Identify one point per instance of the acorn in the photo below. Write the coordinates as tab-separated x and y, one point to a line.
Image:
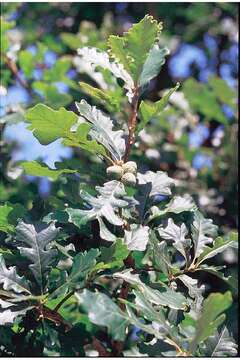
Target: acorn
115	171
129	179
130	167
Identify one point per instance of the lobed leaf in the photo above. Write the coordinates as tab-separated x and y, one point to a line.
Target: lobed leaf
220	344
105	206
137	237
49	125
203	231
35	246
11	280
211	317
101	130
177	234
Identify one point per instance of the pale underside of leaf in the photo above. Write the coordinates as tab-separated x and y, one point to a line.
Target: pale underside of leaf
101	129
35	246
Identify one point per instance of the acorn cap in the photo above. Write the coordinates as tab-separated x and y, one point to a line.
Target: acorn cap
129	179
115	171
130	167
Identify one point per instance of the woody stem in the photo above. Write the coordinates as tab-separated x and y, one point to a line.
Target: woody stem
132	124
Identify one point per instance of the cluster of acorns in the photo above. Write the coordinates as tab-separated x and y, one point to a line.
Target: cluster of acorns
125	172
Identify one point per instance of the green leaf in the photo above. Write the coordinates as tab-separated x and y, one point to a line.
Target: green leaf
203	231
71	40
137	237
203	100
11	280
83	264
220	344
34	245
109	98
149	112
51	95
222	91
118	52
26	62
105	205
9	213
103	311
112	256
49	125
131	51
165	297
219	245
57	72
101	130
36	168
177	234
211	317
96	58
79	138
153	64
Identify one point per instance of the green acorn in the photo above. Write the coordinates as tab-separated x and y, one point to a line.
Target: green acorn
115	171
129	179
130	167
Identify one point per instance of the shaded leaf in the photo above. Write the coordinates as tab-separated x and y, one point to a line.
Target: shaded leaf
220	344
9	214
211	317
165	297
11	280
83	264
219	245
103	311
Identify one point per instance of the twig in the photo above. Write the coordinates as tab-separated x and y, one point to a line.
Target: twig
13	68
123	294
100	348
132	124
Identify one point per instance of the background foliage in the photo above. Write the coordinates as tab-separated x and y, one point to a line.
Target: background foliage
194	139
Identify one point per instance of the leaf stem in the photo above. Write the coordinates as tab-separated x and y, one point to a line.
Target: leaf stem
132	124
57	307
